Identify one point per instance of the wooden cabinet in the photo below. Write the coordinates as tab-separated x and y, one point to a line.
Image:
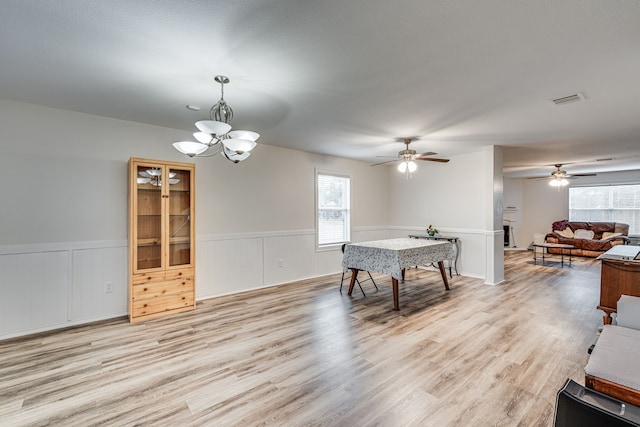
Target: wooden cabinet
161	238
618	277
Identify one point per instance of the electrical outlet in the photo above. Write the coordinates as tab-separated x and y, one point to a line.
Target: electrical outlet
280	263
108	287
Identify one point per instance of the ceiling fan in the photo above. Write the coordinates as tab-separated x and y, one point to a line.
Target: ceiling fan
407	157
559	177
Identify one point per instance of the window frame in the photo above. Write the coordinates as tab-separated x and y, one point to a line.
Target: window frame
607	209
333	245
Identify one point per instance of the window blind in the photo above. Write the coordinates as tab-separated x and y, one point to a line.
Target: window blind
333	207
614	203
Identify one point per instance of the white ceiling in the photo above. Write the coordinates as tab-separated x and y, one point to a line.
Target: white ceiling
348	78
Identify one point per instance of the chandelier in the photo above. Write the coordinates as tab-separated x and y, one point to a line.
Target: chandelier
216	134
153	176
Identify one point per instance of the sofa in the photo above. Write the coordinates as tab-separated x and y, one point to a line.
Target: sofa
591	239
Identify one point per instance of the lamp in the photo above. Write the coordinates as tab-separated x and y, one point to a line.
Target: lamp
234	146
559	182
407	166
153	176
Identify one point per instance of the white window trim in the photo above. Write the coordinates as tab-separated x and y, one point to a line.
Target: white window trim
331	246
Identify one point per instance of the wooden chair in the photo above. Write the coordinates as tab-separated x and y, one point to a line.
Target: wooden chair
357	281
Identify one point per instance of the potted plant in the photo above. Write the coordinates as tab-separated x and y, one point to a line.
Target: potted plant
431	230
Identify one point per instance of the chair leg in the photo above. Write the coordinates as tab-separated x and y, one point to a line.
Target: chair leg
372	281
357	281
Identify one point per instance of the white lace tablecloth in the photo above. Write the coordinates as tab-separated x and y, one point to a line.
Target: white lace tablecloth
393	255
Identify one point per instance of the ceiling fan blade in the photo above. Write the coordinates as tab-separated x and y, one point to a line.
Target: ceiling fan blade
432	159
382	163
540	177
389	157
571	175
427	154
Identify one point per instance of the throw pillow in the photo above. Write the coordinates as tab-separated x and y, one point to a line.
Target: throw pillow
559	225
567	232
584	234
607	235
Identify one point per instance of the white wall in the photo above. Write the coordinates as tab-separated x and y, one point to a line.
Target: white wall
63	216
453	197
513	209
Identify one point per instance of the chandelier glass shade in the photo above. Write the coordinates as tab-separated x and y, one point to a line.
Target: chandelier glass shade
216	134
153	176
559	182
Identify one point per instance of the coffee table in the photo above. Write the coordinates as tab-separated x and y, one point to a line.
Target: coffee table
546	246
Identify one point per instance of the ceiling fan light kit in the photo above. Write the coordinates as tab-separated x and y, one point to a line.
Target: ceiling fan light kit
234	146
406	157
560	178
407	167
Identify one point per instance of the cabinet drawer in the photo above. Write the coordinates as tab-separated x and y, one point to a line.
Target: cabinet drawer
164	303
162	275
148	277
158	289
177	274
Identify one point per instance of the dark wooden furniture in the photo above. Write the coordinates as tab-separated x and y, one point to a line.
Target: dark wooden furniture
612	389
617	277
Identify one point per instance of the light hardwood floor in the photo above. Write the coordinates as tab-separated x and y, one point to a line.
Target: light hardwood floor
305	354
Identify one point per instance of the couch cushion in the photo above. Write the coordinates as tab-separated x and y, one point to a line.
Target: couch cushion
600	227
596	245
578	225
567	232
615	356
584	234
628	307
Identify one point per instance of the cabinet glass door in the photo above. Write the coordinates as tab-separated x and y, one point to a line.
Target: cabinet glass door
179	217
149	217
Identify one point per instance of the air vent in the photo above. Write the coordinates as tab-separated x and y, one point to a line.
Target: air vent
568	99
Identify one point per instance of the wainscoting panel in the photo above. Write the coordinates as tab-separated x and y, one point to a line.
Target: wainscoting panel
51	286
34	291
288	258
329	262
226	266
99	288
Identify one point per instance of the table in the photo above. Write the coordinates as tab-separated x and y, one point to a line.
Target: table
393	256
456	248
545	246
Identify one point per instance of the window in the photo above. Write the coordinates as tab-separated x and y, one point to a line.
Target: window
333	209
615	203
